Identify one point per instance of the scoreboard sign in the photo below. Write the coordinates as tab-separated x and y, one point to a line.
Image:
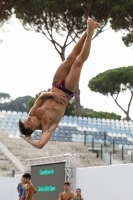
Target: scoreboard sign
48	179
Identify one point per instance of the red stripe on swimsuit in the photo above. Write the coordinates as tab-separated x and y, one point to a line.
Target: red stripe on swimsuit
61	85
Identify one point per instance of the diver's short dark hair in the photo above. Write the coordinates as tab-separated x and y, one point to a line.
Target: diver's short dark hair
25	131
27	175
66	183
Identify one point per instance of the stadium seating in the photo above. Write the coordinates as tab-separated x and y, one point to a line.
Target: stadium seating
71	129
74	128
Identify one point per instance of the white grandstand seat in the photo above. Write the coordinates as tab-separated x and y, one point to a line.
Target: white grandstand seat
14	128
12	131
9	123
84	128
117	121
94	129
129	152
80	138
124	135
80	118
16	117
11	136
3	111
85	119
89	129
114	135
8	116
94	122
64	124
2	115
126	122
89	138
9	127
17	136
11	120
5	119
103	120
131	123
119	134
94	119
85	125
3	123
20	113
75	125
75	117
99	119
25	113
7	131
14	112
70	119
89	119
23	117
74	137
112	120
3	127
65	117
75	121
110	134
9	112
80	125
69	124
107	120
79	129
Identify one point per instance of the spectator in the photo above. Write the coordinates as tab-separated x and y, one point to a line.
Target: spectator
66	195
78	194
29	189
20	188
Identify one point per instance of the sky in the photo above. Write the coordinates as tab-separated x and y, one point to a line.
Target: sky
28	62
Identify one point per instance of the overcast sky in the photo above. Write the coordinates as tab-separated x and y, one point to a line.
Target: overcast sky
28	62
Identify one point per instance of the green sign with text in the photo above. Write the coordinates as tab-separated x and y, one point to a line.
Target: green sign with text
46	189
45	172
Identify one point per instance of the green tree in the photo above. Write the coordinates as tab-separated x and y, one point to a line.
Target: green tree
18	104
112	83
70	109
124	11
7	8
105	115
4	96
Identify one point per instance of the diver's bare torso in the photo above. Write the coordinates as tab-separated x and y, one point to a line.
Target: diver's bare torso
51	112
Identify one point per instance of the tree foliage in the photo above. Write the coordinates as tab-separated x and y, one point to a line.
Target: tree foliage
124	13
70	109
6	9
102	115
18	104
4	96
70	16
113	82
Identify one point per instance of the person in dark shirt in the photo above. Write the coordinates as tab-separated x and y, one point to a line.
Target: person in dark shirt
78	195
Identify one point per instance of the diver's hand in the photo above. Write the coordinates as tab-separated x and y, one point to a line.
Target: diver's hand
60	98
27	138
